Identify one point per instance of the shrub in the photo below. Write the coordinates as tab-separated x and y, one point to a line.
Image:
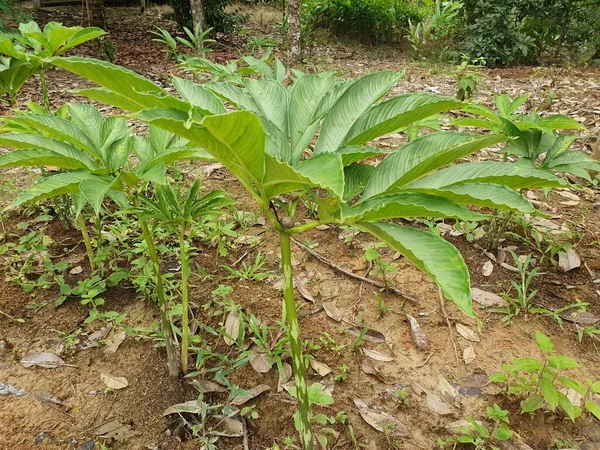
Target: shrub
373	21
528	31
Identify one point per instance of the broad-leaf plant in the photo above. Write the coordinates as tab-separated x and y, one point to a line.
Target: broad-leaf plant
90	158
312	137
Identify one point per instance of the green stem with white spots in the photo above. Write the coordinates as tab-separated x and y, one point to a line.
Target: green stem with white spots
185	327
304	425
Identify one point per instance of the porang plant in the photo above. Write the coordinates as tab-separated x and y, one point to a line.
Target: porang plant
26	53
267	144
90	155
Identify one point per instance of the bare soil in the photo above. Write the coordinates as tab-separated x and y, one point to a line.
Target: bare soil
26	422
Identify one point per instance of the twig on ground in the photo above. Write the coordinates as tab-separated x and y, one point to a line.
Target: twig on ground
426	360
245	428
458	365
379	284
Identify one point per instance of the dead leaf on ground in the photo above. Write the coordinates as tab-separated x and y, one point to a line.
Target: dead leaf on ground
469	354
260	362
321	368
322	227
448	392
191	407
454	427
300	284
48	399
210	169
252	393
377	356
380	419
42	359
487	299
374	336
332	312
115	430
568	260
568	195
232	327
487	269
370	370
284	377
229	427
207	386
467	333
418	335
76	270
579	317
113	381
114	342
435	404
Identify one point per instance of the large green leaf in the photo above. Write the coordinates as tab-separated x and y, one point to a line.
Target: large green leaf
305	95
272	99
483	195
95	189
140	92
324	171
34	141
39	158
199	96
433	255
354	153
356	177
514	176
424	155
57	127
61	183
408	204
397	112
355	100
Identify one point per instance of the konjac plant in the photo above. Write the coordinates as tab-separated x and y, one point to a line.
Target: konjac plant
309	137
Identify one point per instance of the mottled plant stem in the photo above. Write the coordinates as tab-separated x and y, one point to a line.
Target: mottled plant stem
305	428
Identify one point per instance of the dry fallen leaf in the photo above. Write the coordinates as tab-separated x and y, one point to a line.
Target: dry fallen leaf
448	392
115	430
568	195
321	368
211	168
300	284
438	406
191	407
467	333
322	227
232	327
284	377
380	419
260	362
487	269
377	356
114	382
332	312
418	335
206	386
469	354
568	260
113	343
252	393
76	270
229	427
487	299
42	359
370	370
454	427
374	336
579	317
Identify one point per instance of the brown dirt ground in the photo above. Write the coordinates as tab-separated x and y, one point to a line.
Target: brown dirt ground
27	423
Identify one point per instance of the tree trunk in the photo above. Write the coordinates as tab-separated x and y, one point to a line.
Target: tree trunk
144	6
198	14
95	14
181	8
293	17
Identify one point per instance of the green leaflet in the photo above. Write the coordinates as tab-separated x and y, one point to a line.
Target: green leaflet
433	255
408	204
423	155
395	113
